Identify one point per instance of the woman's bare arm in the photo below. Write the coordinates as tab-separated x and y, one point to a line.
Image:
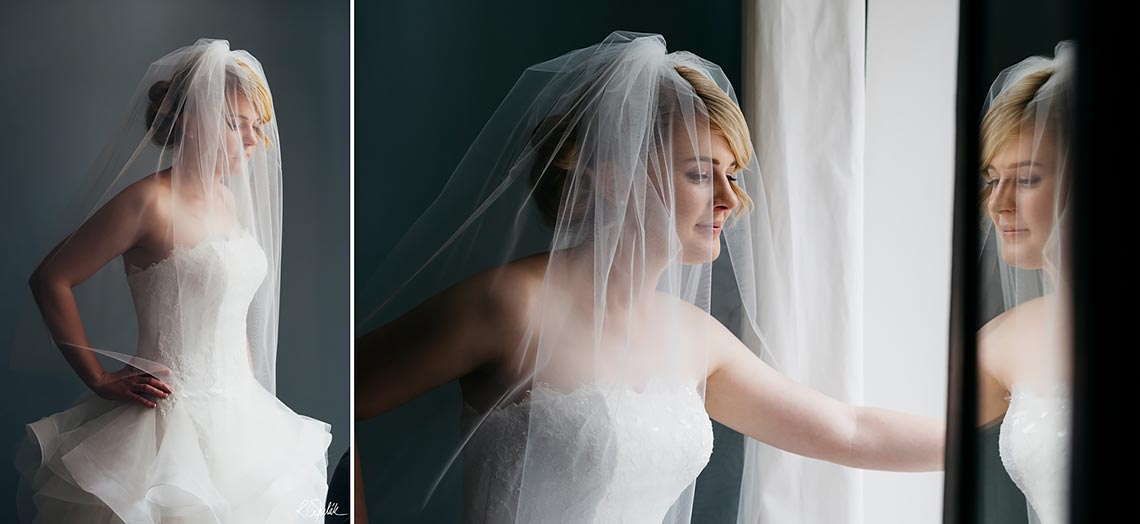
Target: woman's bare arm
454	333
115	228
746	394
358	487
450	335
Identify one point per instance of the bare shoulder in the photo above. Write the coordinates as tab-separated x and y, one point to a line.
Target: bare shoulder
1004	341
714	345
146	193
1016	321
503	297
687	311
696	317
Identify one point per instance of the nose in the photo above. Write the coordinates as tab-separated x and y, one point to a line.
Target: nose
1003	198
248	135
724	198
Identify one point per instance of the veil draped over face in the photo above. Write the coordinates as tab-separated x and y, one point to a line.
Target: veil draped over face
198	155
1026	170
587	216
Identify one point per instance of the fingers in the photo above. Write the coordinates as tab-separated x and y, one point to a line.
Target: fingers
148	389
159	385
139	398
140	385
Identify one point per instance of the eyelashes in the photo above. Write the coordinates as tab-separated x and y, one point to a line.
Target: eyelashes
233	126
1024	182
701	178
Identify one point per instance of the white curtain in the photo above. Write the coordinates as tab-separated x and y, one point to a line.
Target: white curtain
804	100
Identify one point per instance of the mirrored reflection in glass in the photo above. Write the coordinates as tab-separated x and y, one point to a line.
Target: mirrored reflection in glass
1024	348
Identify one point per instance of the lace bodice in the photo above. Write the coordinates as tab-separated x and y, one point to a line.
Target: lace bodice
192	309
594	455
1034	446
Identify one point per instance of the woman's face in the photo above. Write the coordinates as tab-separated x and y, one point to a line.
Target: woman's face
704	197
1022	180
242	131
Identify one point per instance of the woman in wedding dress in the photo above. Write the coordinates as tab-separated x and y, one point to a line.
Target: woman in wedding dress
1024	354
190	429
564	276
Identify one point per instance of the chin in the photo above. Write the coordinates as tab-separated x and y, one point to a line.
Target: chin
1018	259
702	255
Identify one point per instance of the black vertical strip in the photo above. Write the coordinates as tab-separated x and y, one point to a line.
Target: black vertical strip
960	498
1106	290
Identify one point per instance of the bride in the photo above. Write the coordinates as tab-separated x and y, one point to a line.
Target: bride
189	430
565	277
1024	354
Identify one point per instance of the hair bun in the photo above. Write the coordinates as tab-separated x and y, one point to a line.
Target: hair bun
158	90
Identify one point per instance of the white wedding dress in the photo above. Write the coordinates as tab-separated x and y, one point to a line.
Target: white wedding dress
1034	447
594	455
220	449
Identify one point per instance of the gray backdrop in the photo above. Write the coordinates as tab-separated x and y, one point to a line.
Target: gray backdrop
428	75
68	70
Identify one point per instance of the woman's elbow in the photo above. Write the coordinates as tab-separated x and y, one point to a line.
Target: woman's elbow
843	438
45	285
40	282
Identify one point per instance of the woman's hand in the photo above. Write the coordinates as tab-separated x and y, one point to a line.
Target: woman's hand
130	384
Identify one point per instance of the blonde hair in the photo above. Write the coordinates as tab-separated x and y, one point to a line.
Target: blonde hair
1003	121
726	120
166	100
254	87
555	142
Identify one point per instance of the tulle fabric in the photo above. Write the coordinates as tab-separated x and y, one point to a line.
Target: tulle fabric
240	458
220	449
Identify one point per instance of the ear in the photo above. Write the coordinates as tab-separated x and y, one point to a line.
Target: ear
610	181
616	184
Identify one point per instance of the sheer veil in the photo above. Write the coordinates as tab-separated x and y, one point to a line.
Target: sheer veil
598	195
182	133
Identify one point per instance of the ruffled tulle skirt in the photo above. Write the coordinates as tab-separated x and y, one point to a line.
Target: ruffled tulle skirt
236	455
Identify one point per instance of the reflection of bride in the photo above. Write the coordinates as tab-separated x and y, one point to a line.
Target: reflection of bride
564	277
190	429
1024	354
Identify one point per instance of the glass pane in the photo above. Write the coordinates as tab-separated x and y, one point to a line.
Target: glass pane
1023	344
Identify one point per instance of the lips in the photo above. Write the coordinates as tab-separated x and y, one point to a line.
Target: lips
713	227
1013	233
